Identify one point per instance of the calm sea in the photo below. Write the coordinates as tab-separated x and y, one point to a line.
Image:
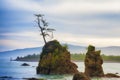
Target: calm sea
15	70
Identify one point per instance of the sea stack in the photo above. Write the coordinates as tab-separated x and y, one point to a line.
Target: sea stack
93	63
55	59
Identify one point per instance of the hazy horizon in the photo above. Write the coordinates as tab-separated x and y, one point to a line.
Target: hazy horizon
77	22
63	43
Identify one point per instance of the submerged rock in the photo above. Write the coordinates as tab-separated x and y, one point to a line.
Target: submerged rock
80	76
55	59
112	75
33	79
7	77
93	63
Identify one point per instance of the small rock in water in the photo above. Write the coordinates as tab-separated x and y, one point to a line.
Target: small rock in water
80	76
112	75
25	64
116	73
5	77
34	79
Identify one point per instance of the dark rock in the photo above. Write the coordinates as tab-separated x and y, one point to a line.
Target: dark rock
93	63
5	77
55	59
80	76
25	64
34	79
116	73
112	75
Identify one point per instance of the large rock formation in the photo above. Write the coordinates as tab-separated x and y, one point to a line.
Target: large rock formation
93	63
55	59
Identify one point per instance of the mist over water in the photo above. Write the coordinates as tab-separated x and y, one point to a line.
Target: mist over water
15	70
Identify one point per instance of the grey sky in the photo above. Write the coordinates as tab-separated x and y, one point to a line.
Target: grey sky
79	22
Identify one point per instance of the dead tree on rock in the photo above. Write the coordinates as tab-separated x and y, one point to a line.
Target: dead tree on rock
43	25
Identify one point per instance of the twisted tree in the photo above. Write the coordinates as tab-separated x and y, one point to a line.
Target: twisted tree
43	25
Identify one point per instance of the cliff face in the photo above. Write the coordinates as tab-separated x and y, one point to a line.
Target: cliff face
55	59
93	63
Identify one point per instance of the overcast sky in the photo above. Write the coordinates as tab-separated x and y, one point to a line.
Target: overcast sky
78	22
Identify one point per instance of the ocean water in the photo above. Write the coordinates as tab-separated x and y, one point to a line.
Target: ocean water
17	72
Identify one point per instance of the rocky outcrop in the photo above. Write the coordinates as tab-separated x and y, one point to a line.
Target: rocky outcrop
25	64
93	63
80	76
55	59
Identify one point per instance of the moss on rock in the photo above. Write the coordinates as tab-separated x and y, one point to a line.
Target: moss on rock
55	59
93	63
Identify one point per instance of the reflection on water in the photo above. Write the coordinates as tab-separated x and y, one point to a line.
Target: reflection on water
15	70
